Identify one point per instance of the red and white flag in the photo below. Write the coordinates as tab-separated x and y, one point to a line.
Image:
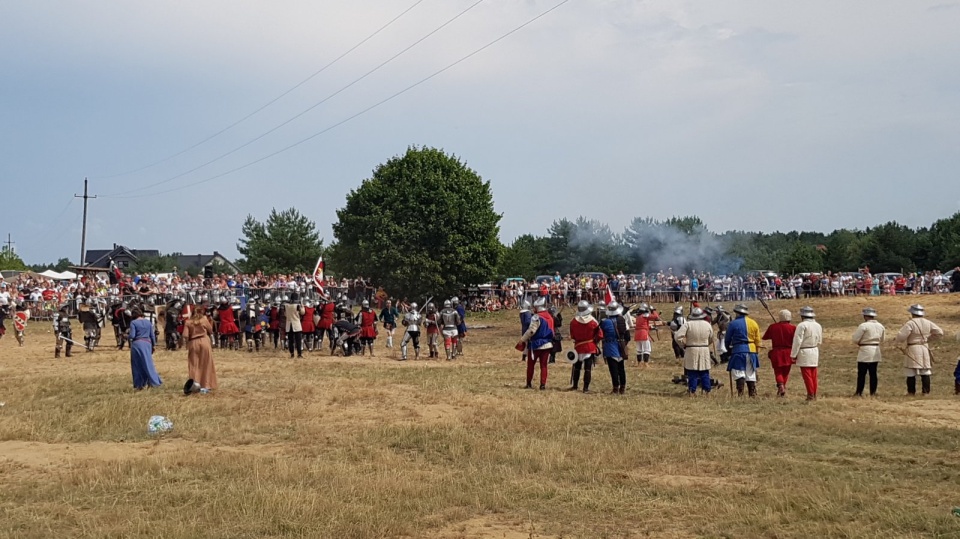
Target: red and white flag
318	275
608	296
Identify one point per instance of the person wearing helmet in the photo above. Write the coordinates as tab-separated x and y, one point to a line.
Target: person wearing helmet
806	349
915	335
20	317
586	334
293	311
450	321
613	327
868	337
647	319
227	328
538	341
696	336
743	341
368	327
327	317
557	333
462	326
62	331
251	326
274	326
432	322
411	322
722	319
307	324
781	334
525	316
388	317
675	324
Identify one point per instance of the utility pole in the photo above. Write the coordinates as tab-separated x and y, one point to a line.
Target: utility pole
83	236
10	243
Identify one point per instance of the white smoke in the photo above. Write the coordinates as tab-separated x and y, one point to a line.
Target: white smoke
664	246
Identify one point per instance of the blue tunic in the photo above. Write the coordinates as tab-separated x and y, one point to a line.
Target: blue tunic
462	328
611	346
525	317
142	341
738	342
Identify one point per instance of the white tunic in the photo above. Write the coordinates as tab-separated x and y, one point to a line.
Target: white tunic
806	342
915	334
869	337
695	337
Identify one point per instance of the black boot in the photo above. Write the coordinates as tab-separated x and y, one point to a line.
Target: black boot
587	374
69	347
752	389
575	376
956	388
925	384
911	385
56	353
740	384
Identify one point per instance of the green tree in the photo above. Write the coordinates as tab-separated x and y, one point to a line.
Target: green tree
9	260
287	242
802	257
155	264
422	225
526	257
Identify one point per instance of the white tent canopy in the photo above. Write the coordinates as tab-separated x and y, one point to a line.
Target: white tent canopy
67	275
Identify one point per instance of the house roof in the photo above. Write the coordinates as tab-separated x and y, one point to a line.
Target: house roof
101	257
199	261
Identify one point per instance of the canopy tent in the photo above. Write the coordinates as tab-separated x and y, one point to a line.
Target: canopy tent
59	276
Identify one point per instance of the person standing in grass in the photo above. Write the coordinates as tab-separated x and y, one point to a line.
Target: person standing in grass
915	335
586	333
743	341
645	321
781	334
696	336
613	328
538	341
143	340
202	376
868	337
525	317
806	349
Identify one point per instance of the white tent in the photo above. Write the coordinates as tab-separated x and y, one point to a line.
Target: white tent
67	275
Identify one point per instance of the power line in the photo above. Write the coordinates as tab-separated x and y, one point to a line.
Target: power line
308	109
362	112
268	103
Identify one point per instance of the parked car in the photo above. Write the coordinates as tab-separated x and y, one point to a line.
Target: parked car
541	278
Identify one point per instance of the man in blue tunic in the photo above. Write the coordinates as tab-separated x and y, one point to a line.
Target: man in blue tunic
743	341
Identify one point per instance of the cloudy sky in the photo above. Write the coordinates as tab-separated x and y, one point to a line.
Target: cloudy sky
767	115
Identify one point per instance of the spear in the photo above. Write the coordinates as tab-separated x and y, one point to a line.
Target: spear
765	306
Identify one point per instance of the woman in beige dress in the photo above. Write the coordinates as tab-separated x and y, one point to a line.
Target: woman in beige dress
196	334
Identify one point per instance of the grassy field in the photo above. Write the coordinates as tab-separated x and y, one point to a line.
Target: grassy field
371	447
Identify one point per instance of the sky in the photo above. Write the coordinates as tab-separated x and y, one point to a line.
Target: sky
762	116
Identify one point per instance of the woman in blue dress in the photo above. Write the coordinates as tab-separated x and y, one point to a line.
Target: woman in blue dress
142	343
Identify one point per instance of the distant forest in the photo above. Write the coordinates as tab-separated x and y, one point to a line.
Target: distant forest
684	244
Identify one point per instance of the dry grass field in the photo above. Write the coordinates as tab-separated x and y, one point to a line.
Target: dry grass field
361	447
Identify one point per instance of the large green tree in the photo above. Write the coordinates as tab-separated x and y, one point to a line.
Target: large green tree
287	242
423	224
9	260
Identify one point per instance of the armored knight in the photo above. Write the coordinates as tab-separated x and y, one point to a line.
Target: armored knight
61	329
432	323
411	322
90	318
449	321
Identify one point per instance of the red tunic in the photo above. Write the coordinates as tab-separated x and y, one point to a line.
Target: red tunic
585	335
274	318
642	324
306	321
326	316
781	334
433	329
228	324
367	321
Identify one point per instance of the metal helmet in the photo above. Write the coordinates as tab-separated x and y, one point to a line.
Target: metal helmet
447	304
917	310
584	307
431	307
870	311
807	312
644	308
614	309
720	309
678	309
540	304
697	314
455	300
308	303
741	309
525	306
413	306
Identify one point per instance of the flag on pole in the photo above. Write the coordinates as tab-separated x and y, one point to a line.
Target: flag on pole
608	296
318	275
116	276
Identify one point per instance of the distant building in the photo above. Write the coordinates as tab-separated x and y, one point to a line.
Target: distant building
194	264
123	256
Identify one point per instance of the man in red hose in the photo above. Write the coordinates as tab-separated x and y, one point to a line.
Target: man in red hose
538	339
781	334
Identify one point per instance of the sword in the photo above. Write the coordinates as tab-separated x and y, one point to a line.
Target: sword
71	341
